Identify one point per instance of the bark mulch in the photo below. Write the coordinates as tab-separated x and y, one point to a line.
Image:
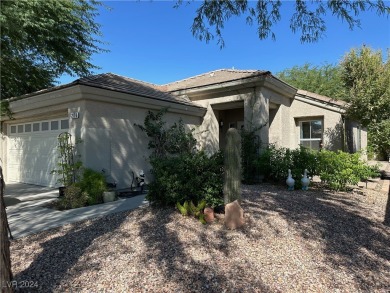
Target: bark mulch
313	241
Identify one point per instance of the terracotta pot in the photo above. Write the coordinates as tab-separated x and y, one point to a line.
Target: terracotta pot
208	215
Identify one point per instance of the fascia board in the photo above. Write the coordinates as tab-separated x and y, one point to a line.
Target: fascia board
221	87
107	96
323	105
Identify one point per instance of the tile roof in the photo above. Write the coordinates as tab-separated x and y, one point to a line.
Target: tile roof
321	98
212	77
127	85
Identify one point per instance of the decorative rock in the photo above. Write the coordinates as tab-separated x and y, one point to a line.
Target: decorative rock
208	215
234	215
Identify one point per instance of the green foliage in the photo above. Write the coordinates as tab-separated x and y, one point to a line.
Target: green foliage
74	198
339	169
250	145
184	209
186	177
324	80
69	165
308	18
367	77
190	209
232	165
41	40
274	163
379	138
336	169
163	140
93	184
5	110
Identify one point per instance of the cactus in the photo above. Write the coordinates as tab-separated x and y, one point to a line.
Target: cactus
232	164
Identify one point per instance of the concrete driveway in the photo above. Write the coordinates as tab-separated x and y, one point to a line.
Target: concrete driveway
27	213
28	195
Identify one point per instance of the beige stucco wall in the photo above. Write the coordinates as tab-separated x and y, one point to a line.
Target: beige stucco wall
332	123
112	142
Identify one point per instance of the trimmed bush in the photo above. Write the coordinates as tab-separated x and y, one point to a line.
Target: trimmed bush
73	198
187	177
339	169
336	169
93	184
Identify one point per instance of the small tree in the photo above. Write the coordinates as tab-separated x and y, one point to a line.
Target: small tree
68	166
232	182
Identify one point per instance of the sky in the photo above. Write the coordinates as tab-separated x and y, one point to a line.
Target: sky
152	41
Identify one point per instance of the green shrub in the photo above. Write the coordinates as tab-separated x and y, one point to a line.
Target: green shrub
93	184
274	163
73	198
340	169
250	146
187	177
336	169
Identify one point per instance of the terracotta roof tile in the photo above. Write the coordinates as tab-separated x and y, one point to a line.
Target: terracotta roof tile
212	77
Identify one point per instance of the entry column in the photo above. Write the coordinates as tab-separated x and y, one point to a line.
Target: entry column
256	113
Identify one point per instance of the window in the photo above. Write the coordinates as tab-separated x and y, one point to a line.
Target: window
36	126
27	128
311	134
13	129
20	128
45	126
54	125
64	124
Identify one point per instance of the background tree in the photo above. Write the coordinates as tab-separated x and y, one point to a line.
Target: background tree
366	77
307	19
41	40
324	80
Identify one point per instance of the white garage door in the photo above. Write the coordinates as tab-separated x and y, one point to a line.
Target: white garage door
32	151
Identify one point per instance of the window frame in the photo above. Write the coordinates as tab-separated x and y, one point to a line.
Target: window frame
310	120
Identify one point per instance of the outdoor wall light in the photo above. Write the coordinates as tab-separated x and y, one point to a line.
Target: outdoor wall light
220	123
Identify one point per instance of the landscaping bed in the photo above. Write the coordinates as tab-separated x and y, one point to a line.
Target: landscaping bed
299	241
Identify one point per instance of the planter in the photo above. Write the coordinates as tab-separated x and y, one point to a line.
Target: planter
109	196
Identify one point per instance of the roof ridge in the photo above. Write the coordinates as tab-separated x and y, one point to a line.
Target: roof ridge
211	72
134	79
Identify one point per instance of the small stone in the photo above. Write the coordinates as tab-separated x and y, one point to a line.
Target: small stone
234	215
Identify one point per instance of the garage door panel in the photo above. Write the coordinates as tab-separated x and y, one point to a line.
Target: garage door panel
32	157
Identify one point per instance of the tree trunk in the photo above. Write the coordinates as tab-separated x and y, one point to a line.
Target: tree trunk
387	212
5	260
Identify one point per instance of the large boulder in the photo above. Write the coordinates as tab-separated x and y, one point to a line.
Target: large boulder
234	215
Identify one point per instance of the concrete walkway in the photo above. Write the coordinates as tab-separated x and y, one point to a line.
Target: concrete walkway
27	213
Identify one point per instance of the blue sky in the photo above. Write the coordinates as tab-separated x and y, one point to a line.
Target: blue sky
152	41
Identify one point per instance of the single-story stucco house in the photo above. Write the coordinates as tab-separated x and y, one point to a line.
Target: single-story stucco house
101	110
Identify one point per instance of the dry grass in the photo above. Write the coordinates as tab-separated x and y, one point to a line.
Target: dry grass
297	241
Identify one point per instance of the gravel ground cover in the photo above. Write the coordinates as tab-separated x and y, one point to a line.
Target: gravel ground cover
313	241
